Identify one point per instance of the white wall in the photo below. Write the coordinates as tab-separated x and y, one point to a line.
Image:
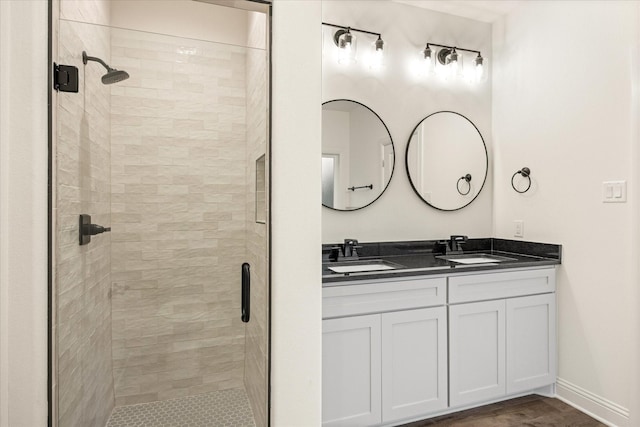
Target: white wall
562	106
296	298
23	213
402	99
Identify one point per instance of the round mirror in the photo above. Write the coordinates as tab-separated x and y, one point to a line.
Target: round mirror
447	160
357	155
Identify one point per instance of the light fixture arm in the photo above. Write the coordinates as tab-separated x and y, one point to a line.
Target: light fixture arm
344	28
447	50
452	47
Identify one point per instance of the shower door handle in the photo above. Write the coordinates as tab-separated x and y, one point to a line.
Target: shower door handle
246	292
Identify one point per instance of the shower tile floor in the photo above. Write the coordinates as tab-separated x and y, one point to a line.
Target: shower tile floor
219	408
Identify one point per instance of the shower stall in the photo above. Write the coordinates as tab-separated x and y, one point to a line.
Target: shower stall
161	196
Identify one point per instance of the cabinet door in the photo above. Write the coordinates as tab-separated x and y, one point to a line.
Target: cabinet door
476	352
414	363
531	342
351	371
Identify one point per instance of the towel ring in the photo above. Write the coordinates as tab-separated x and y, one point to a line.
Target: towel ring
467	179
526	173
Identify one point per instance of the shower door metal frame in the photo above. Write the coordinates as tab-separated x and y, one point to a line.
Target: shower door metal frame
52	395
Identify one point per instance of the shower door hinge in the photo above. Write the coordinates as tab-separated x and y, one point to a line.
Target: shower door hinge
65	78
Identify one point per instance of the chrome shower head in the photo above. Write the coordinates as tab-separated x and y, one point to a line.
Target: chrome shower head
112	76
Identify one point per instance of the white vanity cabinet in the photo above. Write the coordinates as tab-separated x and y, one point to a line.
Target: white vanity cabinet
505	345
392	365
409	348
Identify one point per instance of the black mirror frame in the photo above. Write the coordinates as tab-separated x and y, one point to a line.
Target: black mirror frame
393	146
486	159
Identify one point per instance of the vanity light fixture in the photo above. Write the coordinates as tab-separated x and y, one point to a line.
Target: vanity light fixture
427	55
451	63
346	42
479	67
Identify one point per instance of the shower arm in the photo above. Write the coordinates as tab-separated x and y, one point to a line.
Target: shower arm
86	58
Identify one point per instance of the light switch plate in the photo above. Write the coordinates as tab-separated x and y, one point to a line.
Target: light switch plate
614	192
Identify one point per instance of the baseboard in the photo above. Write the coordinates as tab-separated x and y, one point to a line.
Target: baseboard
593	405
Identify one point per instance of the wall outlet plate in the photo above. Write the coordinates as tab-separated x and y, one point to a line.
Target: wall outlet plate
518	228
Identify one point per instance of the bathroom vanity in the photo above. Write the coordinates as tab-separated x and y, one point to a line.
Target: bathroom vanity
430	335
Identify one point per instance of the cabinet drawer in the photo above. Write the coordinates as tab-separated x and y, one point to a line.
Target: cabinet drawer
348	300
478	287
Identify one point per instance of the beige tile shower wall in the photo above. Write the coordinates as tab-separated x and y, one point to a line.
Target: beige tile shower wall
256	358
83	282
88	11
178	211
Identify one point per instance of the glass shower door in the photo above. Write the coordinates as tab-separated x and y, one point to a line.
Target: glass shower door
150	312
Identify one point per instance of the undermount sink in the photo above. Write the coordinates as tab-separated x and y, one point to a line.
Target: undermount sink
363	266
475	258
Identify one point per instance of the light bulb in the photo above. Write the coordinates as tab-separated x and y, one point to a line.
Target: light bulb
479	69
427	55
377	55
454	63
346	40
347	47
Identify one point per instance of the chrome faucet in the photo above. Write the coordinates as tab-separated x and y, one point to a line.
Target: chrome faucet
349	248
334	253
455	242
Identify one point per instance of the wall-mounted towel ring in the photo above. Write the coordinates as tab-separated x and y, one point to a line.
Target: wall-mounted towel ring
526	173
467	179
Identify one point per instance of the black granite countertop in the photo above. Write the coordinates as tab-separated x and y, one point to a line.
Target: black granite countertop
417	258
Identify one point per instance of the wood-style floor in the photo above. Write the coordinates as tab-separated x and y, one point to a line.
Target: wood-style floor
527	411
